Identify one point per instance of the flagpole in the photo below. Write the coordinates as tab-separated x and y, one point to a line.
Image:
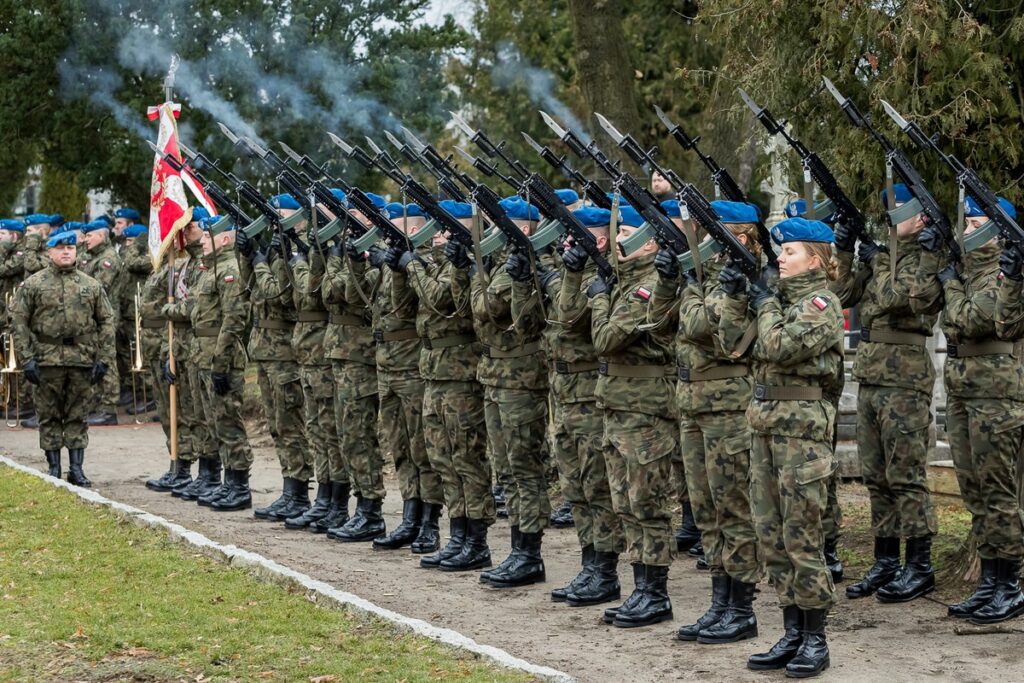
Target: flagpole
172	365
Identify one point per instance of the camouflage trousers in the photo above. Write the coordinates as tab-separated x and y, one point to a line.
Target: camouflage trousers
356	406
107	393
788	482
321	428
160	391
716	450
681	494
576	442
516	425
400	429
62	404
124	337
892	440
456	437
832	518
281	394
224	417
638	451
192	415
985	437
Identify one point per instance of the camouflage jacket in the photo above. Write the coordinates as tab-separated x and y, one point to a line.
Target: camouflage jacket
219	314
696	310
569	345
308	337
136	265
11	269
104	265
620	339
186	277
62	318
270	300
392	317
349	332
34	258
450	351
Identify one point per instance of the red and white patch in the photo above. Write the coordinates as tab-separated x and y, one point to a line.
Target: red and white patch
108	264
19	253
642	293
202	267
229	278
821	303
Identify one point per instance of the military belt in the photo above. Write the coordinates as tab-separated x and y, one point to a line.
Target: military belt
381	336
763	392
893	337
448	342
153	323
564	367
182	325
989	348
635	371
521	352
206	331
311	316
59	341
273	324
718	372
347	320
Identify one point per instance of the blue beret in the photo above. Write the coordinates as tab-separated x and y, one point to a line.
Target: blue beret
130	214
339	195
220	223
611	198
900	191
671	207
38	219
199	213
457	209
735	212
593	217
65	237
12	225
801	230
630	217
93	225
973	210
72	225
396	209
284	201
798	208
377	200
106	219
56	219
567	195
517	209
135	230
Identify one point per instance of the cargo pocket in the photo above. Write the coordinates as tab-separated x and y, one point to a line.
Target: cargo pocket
652	441
813	470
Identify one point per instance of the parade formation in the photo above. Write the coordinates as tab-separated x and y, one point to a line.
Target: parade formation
660	348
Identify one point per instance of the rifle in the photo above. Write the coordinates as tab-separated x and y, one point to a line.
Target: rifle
219	196
438	166
845	210
449	188
898	161
591	189
725	185
969	181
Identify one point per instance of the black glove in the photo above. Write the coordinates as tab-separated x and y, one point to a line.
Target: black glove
31	372
335	249
1011	262
165	372
575	259
274	251
99	371
298	245
732	281
598	286
406	258
518	267
845	239
457	255
392	256
353	252
758	295
221	383
667	264
377	256
546	277
948	273
867	251
930	239
259	257
243	243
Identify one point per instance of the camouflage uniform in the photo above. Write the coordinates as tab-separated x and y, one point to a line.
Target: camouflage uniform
453	404
104	265
635	391
137	266
985	397
797	354
712	395
349	345
63	320
34	256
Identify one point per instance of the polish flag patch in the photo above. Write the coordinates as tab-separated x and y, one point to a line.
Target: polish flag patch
821	303
108	264
229	278
642	293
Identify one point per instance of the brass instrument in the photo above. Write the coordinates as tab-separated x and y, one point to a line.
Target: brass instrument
138	367
10	374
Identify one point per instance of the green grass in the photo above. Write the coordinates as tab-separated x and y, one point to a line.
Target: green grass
85	596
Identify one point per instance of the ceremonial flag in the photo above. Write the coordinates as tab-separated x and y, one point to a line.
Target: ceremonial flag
169	211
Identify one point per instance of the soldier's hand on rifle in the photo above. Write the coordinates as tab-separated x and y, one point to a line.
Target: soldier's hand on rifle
732	281
930	239
353	252
259	257
758	295
1011	262
221	383
545	277
868	251
243	243
457	255
31	372
948	273
376	256
99	371
575	259
335	250
165	372
518	267
667	264
845	239
597	287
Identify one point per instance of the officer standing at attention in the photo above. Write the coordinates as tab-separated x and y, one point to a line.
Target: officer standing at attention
100	261
64	330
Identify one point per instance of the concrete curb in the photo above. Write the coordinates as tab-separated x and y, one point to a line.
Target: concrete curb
268	570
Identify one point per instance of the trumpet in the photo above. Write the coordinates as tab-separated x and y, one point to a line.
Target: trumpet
138	367
10	373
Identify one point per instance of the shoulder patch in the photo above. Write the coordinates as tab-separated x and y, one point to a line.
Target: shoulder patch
19	253
229	278
202	267
107	264
820	302
642	293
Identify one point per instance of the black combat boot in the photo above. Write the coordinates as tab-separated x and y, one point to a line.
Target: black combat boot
1007	600
366	525
475	554
239	496
212	494
500	501
887	564
76	456
429	538
53	463
587	560
653	607
719	602
812	657
206	483
527	566
516	540
783	651
270	512
317	511
182	474
298	503
981	595
456	537
163	484
561	517
832	561
337	513
634	597
102	418
739	622
406	532
688	534
915	579
603	584
696	550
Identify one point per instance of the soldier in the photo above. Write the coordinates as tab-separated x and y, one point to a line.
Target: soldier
798	348
896	379
712	395
64	327
123	218
100	261
137	266
12	232
985	403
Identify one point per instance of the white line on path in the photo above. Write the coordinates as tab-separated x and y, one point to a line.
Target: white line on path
268	569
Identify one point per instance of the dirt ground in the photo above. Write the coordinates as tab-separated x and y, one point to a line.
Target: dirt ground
868	640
